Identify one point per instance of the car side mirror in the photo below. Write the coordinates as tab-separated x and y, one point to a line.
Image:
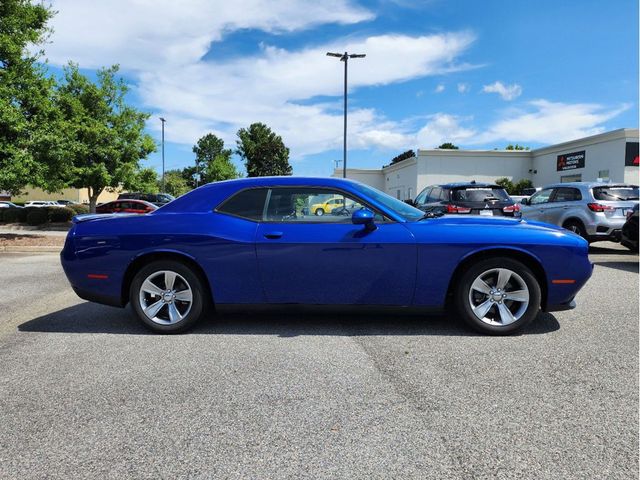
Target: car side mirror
525	201
408	201
364	217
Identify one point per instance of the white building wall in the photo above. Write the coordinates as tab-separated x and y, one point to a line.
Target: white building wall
603	153
401	179
373	178
446	166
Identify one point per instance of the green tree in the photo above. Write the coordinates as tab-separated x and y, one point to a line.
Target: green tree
30	148
516	147
521	185
403	156
175	183
104	137
214	161
263	151
505	183
448	146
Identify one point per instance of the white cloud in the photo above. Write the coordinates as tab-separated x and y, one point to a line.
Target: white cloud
162	45
142	33
541	121
440	88
463	87
441	128
551	122
507	92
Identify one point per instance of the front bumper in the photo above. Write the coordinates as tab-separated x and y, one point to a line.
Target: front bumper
561	307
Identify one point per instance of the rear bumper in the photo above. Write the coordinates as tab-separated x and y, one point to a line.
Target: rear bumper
98	298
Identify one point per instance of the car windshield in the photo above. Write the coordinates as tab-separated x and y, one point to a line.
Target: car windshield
619	192
401	208
478	194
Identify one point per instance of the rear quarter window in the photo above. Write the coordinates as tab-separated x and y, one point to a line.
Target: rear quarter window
248	204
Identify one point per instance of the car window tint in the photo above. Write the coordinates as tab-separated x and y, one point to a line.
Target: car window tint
444	195
434	195
479	194
616	193
247	204
311	205
541	197
566	194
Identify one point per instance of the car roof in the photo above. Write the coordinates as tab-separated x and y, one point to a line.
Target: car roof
131	200
467	184
589	185
283	181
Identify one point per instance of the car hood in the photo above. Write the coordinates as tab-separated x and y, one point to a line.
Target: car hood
473	228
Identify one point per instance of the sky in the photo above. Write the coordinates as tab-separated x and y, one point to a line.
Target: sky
480	74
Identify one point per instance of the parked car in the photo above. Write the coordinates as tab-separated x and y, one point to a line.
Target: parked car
126	206
328	206
67	202
630	230
158	199
7	204
594	210
467	198
245	242
42	203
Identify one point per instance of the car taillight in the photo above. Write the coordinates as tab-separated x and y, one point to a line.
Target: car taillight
511	208
457	209
597	207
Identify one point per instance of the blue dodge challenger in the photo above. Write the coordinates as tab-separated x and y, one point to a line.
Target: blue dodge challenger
264	241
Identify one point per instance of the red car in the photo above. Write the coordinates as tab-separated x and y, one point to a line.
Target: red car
126	206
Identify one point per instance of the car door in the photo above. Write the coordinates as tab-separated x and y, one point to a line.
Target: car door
324	260
434	200
562	201
538	202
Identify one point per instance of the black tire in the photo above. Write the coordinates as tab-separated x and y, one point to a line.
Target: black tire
462	301
319	212
576	226
193	281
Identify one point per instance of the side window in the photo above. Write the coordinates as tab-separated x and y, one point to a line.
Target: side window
422	197
434	196
311	205
247	204
541	197
566	194
444	195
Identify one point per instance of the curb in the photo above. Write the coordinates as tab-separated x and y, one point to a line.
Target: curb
29	249
50	227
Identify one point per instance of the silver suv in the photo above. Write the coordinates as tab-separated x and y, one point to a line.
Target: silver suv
594	210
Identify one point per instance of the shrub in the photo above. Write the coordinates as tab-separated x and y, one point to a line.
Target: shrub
521	185
78	208
37	216
2	214
505	183
60	214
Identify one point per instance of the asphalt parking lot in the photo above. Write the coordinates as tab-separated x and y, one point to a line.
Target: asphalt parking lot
87	393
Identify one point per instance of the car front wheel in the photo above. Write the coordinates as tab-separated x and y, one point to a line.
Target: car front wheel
167	296
498	296
319	212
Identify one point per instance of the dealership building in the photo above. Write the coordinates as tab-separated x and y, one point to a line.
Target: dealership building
610	156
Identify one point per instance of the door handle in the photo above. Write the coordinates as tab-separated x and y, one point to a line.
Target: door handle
273	235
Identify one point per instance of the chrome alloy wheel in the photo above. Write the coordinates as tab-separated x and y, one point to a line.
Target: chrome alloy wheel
499	297
165	297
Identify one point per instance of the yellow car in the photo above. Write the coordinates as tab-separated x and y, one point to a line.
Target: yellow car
326	207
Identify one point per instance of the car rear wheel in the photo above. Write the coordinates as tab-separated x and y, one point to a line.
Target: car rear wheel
576	227
167	296
498	296
319	212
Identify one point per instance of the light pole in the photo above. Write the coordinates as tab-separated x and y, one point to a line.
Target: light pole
162	120
344	57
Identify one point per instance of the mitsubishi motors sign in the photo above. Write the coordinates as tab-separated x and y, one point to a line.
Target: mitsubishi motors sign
631	157
570	161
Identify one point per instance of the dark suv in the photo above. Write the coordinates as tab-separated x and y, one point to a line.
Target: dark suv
468	197
158	199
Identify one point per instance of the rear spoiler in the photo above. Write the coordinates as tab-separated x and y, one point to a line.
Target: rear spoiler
88	217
